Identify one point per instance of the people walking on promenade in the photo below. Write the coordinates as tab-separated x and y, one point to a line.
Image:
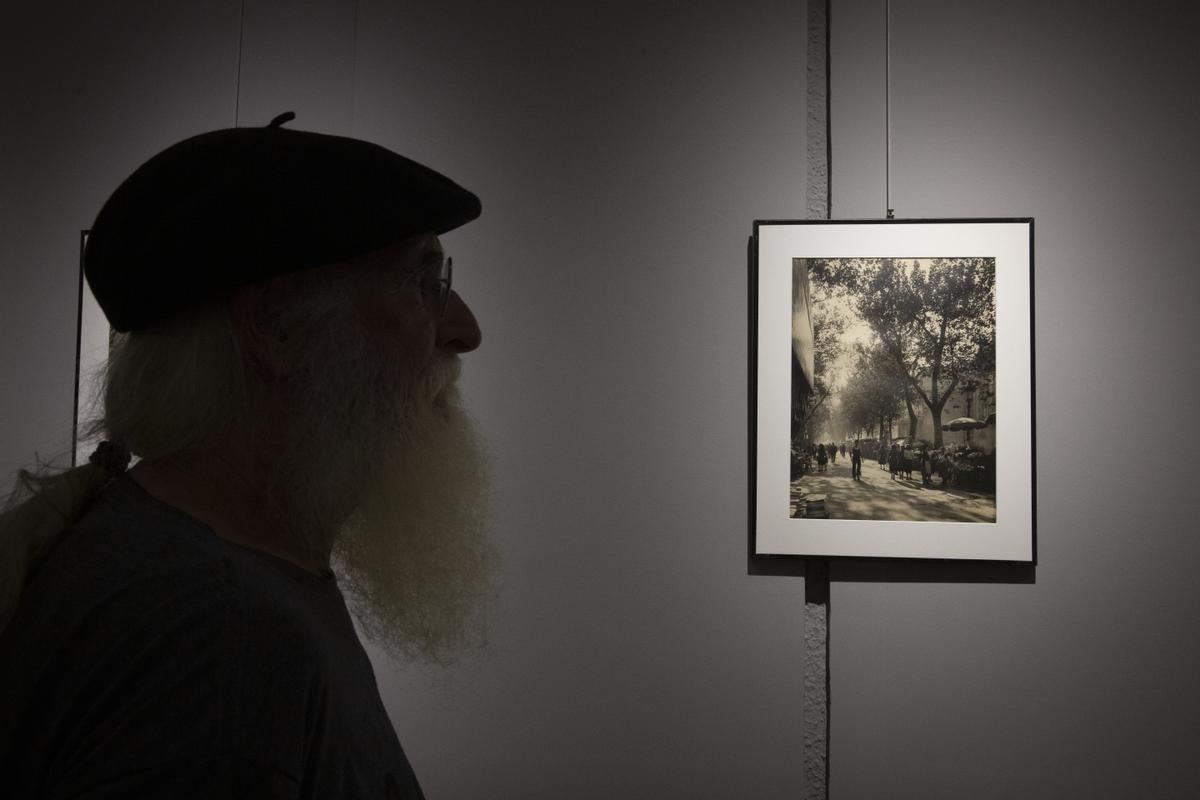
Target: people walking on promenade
894	460
822	458
926	467
855	461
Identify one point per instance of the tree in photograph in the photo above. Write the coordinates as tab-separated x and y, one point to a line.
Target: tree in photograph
818	423
935	321
872	394
846	426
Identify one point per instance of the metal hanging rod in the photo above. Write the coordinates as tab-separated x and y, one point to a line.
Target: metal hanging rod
887	106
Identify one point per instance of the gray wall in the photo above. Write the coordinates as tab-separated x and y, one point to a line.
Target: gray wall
1084	116
622	150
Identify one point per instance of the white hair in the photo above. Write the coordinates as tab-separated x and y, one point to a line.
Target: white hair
168	389
383	439
177	387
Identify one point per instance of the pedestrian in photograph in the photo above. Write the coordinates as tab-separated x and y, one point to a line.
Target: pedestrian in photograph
832	450
894	460
856	462
926	467
822	458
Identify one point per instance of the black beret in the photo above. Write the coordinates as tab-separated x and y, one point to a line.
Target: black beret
235	206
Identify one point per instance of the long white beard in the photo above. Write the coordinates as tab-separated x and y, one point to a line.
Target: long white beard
414	556
387	455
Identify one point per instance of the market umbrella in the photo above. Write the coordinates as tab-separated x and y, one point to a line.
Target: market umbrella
963	424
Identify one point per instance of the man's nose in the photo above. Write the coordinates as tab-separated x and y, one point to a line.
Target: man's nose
457	331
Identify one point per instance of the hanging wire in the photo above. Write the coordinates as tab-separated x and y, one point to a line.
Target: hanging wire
237	92
828	111
354	67
887	106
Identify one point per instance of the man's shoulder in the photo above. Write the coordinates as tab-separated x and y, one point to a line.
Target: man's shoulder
138	572
143	629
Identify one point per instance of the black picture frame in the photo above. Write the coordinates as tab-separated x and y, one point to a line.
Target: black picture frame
778	251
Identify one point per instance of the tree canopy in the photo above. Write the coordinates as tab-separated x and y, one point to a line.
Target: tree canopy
871	396
934	320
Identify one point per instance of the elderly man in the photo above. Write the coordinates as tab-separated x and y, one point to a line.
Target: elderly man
285	374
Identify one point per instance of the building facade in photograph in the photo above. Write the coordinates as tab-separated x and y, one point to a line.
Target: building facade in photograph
804	371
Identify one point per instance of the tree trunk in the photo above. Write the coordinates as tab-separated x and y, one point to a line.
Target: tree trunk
938	405
935	412
912	414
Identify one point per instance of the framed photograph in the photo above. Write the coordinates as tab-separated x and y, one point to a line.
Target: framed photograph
891	389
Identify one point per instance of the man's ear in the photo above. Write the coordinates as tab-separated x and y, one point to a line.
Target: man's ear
257	331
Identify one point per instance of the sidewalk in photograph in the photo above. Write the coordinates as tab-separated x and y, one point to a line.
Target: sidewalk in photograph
877	496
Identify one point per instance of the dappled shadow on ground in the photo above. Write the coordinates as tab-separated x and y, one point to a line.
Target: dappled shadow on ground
880	497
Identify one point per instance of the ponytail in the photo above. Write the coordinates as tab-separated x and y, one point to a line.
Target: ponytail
172	388
42	507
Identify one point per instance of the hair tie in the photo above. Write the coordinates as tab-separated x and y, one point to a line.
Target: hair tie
113	458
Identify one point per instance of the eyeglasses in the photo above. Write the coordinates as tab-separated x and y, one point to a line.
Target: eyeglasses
442	282
436	288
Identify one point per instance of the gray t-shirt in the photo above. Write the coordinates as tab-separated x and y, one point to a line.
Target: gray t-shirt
151	658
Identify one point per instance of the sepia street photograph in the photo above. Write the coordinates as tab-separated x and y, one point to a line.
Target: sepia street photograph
893	408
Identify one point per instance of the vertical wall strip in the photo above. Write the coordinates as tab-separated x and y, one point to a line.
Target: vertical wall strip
819	202
818	197
816	679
